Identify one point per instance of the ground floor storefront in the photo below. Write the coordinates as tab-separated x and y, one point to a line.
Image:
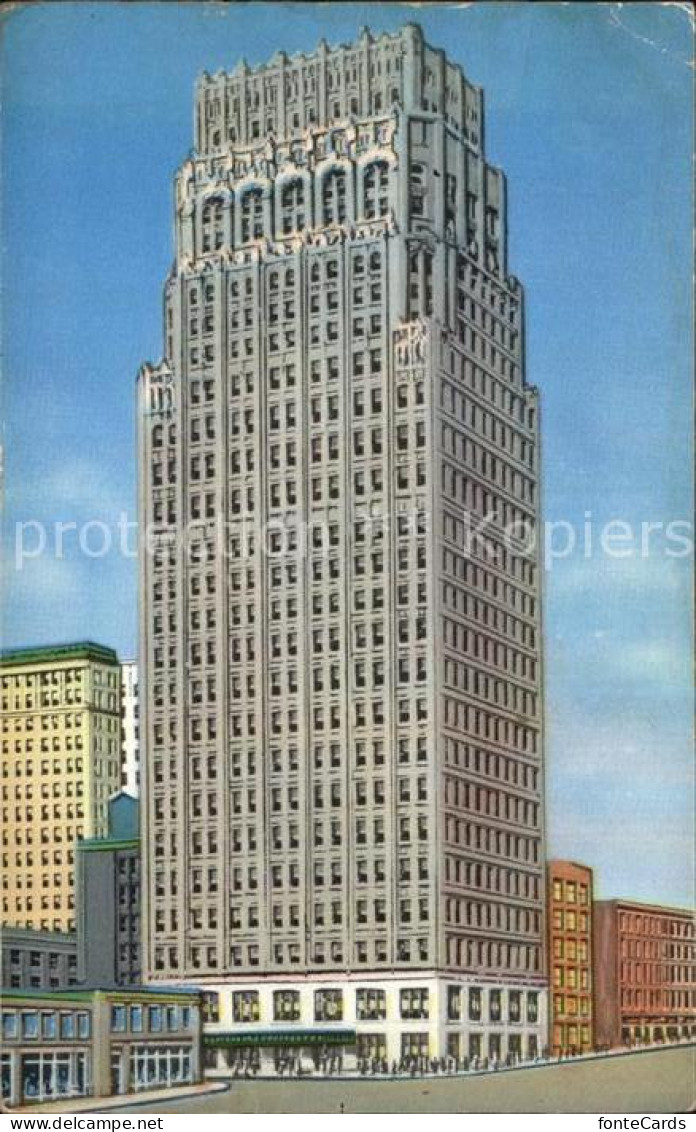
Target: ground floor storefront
80	1043
139	1067
657	1031
396	1024
39	1075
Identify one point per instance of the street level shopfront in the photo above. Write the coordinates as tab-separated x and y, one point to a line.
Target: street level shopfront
97	1042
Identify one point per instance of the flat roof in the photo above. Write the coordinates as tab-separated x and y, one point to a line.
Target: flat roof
86	994
107	844
49	654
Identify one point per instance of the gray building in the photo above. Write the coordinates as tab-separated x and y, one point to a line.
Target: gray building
97	1042
38	960
340	609
108	900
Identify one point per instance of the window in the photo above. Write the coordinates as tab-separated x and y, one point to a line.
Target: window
515	1006
370	1005
413	1002
210	1006
118	1019
328	1005
454	1004
155	1019
376	190
10	1027
67	1026
286	1006
212	225
252	215
417	189
245	1006
475	1004
292	206
83	1027
334	197
136	1019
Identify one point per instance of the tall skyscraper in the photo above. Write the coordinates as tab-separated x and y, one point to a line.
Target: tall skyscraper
341	607
60	766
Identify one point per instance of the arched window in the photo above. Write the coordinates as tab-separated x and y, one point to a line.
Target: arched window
157	436
333	197
212	225
292	218
252	215
376	190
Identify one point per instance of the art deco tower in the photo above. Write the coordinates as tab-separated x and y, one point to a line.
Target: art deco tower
342	687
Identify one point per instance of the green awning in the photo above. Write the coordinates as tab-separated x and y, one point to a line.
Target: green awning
280	1038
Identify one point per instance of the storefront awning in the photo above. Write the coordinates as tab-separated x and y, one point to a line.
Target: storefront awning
279	1038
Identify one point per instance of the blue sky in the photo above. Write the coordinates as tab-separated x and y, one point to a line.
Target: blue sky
588	110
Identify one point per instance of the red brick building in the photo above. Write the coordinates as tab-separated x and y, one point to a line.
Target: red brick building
571	1028
645	973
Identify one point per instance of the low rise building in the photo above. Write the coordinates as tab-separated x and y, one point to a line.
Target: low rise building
97	1042
34	960
270	1024
571	1029
108	900
645	973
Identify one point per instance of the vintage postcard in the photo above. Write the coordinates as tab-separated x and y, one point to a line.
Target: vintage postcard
346	667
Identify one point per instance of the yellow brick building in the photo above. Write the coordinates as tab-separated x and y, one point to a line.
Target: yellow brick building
60	736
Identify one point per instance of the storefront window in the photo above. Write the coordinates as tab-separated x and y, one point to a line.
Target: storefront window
6	1066
414	1045
153	1066
53	1075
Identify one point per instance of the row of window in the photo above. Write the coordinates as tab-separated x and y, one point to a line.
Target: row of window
48	1025
248	956
295	207
138	1019
370	1004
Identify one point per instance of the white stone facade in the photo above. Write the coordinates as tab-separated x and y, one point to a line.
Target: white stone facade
394	1020
343	725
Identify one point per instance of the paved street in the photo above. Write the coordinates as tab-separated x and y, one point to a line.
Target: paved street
659	1081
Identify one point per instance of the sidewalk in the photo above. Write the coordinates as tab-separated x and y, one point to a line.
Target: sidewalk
143	1099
